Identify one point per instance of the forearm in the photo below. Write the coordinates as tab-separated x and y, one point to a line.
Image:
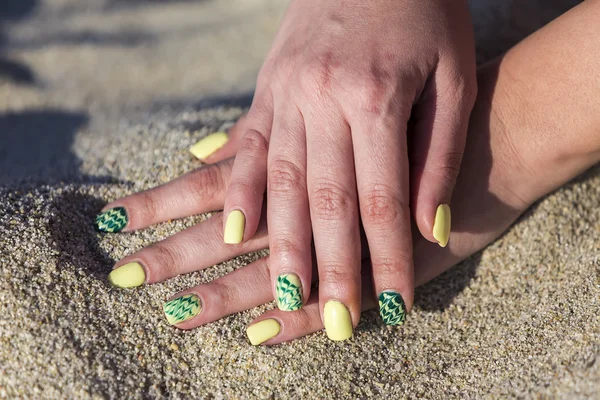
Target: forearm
547	89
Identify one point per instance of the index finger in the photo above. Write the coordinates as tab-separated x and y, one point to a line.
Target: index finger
202	190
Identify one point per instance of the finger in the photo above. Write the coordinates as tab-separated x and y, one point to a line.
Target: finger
230	148
276	326
208	145
288	213
244	199
240	290
196	192
437	146
193	249
334	217
382	177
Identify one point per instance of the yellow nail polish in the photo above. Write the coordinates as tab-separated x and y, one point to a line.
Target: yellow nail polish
442	225
234	227
262	331
207	146
337	320
128	275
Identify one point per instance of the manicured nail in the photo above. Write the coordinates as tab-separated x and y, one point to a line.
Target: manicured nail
207	146
182	308
392	308
128	275
289	292
234	227
441	225
337	320
262	331
113	220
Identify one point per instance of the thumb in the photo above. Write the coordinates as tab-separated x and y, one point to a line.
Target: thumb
436	149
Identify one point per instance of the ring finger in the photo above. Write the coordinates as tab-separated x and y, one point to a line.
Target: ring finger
193	249
288	212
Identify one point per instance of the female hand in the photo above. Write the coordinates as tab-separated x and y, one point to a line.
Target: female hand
326	138
200	247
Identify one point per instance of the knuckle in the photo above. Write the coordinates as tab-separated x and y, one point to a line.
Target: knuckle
148	208
166	258
206	183
241	190
468	88
446	170
390	267
449	169
225	295
254	143
284	246
330	201
461	92
304	319
374	98
381	206
285	176
339	274
377	90
320	75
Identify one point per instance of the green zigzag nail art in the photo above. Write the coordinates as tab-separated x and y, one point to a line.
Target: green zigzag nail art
113	220
289	292
182	308
392	308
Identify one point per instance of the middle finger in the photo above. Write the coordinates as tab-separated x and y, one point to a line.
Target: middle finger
334	216
288	212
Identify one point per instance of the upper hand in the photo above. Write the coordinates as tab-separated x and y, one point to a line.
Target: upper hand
326	138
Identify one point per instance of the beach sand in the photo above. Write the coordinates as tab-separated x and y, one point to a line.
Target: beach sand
102	98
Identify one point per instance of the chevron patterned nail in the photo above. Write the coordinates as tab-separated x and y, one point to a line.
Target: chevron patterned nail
113	220
182	308
392	308
289	292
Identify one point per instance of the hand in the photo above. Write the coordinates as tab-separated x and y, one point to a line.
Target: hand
200	247
326	138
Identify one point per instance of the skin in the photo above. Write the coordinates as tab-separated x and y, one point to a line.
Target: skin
529	133
326	135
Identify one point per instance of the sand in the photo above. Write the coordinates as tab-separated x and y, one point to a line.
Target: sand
95	95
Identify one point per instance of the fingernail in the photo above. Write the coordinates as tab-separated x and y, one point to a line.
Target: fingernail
441	225
262	331
392	308
128	275
207	146
113	220
182	308
289	292
338	323
234	227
